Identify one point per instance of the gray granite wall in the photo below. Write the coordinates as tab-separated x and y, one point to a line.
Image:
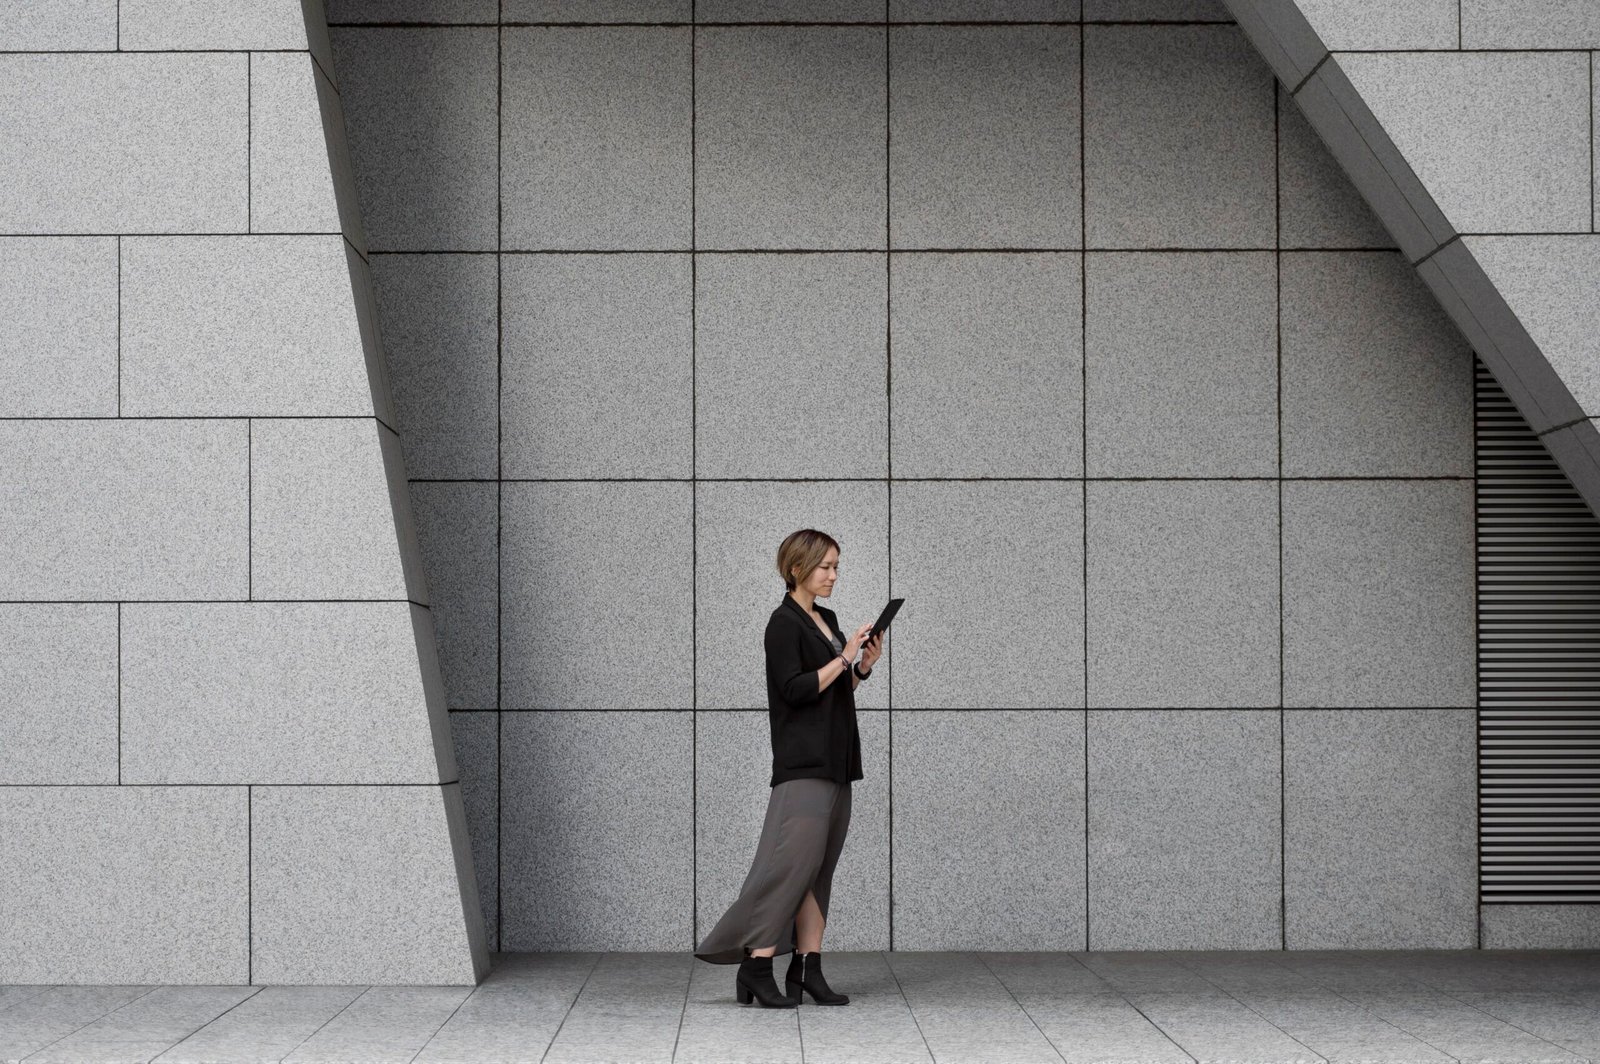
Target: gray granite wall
1070	331
224	756
1470	129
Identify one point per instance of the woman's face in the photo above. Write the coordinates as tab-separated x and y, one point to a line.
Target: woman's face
824	576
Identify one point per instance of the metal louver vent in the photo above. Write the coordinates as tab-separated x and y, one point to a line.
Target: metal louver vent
1538	667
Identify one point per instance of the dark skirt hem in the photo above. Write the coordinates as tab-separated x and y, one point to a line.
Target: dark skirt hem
729	957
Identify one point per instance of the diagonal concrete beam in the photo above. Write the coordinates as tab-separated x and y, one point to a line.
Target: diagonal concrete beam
1480	166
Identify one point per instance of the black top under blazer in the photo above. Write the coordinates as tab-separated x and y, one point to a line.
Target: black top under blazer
813	733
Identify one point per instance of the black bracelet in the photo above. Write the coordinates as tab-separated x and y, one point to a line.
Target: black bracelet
856	668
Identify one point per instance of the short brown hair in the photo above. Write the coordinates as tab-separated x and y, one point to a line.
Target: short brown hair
803	550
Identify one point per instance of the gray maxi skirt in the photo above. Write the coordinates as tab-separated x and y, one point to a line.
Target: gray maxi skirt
799	847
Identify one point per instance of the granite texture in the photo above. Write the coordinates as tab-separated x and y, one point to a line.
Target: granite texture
1318	207
571	556
58	352
1182	593
1182	365
596	854
457	526
987	374
1501	141
437	318
989	830
1530	24
1547	282
627	1010
788	10
1338	1028
322	525
362	885
596	366
291	176
267	1026
1007	630
1096	1026
192	25
168	136
366	313
108	509
58	693
983	127
420	116
515	1013
1383	25
1501	341
337	145
790	137
55	1012
65	25
279	692
486	12
1379	591
988	1024
985	10
1184	823
425	100
1218	1027
1541	927
1376	167
477	746
1459	1029
733	773
790	366
1377	381
145	1026
387	1023
1156	11
1380	829
241	326
597	10
738	529
158	885
1178	138
595	150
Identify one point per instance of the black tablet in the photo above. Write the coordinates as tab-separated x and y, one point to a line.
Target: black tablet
884	618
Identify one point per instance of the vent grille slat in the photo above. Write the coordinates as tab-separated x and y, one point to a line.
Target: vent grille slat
1538	570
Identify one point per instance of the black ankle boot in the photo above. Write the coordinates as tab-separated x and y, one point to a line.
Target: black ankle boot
755	979
805	973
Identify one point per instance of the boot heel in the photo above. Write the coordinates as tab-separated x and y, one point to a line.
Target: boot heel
741	992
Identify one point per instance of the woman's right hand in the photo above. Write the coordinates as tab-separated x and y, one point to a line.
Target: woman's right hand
853	647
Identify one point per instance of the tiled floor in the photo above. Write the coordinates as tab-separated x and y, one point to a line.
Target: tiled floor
1428	1007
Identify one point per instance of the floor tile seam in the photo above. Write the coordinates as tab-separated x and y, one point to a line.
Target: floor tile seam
43	990
254	990
1047	1039
96	1019
1248	1007
570	1006
1384	1019
884	955
426	1042
321	1026
1571	997
1157	1027
688	988
1580	1054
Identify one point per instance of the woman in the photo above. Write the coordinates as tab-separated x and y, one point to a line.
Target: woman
816	753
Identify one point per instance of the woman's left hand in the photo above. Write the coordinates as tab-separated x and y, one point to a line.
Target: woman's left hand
871	651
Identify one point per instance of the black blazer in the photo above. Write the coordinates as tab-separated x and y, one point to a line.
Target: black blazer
813	733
